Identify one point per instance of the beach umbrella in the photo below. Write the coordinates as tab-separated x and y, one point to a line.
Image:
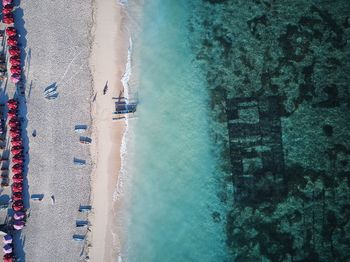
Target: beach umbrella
7	239
12	41
8	21
17	187
7	9
8	258
6	2
19	215
17	171
13	106
14	50
18	225
7	249
17	143
11	31
18	203
16	150
17	196
15	70
15	78
18	161
15	62
12	113
13	135
14	124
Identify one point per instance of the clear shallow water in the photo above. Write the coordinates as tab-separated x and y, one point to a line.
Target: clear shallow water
172	184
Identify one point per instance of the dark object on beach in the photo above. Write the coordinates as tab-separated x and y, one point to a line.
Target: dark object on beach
53	200
37	197
34	133
78	237
79	162
85	140
105	88
84	209
82	223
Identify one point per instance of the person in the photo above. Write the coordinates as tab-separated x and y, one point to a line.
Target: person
52	199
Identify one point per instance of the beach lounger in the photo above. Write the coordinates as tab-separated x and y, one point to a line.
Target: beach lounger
78	237
85	140
79	162
80	128
81	223
85	209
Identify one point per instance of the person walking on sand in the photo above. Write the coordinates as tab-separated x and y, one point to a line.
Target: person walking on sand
52	199
105	88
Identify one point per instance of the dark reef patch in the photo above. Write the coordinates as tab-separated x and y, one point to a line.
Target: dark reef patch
278	77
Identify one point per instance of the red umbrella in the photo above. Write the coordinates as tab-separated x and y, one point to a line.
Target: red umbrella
15	61
18	160
14	124
13	135
18	171
16	143
17	196
6	2
17	187
13	106
8	258
12	113
14	50
7	9
17	208
15	69
16	151
9	20
16	138
11	31
12	41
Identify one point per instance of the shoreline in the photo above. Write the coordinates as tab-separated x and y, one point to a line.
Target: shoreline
108	57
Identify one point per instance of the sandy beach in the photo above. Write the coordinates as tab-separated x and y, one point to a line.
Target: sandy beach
57	53
107	61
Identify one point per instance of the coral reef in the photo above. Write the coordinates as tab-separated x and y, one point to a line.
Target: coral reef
286	169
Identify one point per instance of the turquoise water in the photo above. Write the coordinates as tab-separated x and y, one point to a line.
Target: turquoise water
173	165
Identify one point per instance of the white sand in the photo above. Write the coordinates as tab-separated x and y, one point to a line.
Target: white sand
57	46
109	52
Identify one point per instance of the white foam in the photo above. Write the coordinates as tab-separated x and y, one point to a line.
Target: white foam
127	74
123	148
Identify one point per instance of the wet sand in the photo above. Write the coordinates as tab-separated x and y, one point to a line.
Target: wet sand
107	62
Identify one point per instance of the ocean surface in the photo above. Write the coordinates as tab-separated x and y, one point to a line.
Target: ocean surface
172	167
240	149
